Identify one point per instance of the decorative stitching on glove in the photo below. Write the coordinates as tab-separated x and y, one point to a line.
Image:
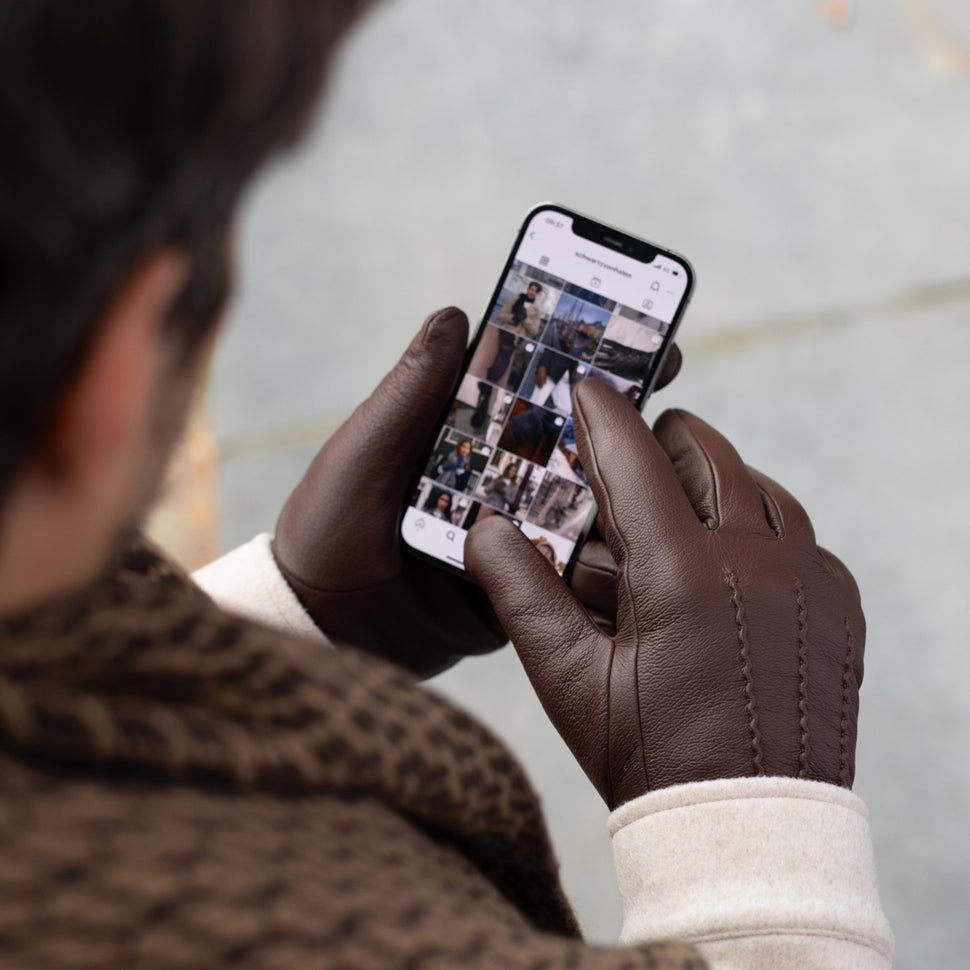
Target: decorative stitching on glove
802	613
845	749
749	708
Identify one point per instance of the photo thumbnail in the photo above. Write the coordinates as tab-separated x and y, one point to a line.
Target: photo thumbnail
550	380
561	506
629	344
480	409
509	483
457	460
525	300
557	549
531	431
501	358
439	502
590	296
576	327
564	460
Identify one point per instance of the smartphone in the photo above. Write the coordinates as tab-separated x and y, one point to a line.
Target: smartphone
576	299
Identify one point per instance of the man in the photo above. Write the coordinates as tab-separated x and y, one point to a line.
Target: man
521	313
181	787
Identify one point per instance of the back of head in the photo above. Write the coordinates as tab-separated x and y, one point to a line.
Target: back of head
127	126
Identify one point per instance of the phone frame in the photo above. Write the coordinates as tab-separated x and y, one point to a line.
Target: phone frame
593	230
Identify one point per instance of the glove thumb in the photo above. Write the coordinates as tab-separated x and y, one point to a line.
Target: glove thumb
565	655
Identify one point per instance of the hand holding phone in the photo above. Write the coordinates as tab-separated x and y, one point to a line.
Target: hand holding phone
577	299
336	539
739	643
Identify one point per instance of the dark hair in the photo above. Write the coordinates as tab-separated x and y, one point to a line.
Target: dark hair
127	126
435	496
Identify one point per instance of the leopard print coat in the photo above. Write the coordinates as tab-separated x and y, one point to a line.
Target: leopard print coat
181	788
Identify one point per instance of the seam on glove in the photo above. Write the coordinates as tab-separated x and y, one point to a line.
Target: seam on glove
749	708
847	677
802	613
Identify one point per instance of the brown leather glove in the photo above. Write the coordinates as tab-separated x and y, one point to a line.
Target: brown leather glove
337	539
738	646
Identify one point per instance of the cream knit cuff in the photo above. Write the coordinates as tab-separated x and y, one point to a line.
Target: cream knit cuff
247	581
757	872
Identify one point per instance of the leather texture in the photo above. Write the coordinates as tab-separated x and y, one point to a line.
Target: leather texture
594	581
337	540
739	642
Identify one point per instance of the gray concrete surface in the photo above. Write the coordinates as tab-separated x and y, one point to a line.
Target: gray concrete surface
815	171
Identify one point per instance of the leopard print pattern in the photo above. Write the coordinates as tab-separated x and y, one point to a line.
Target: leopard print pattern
182	788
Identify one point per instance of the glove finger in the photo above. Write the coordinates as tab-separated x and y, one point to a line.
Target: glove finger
632	479
715	479
841	572
854	620
594	582
558	643
836	636
670	368
785	514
